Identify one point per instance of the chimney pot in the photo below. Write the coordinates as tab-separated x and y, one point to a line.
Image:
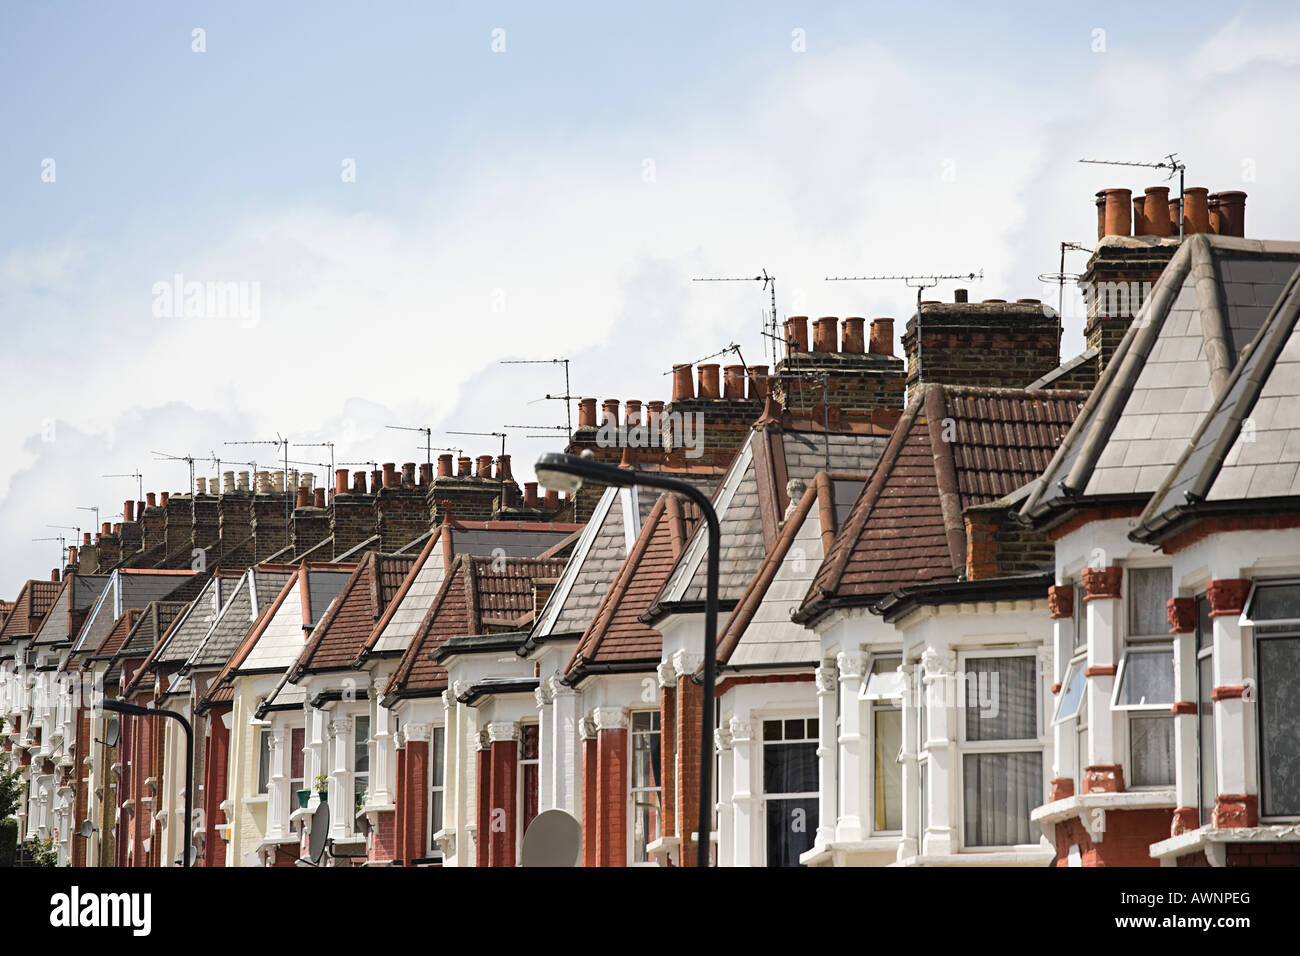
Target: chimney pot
200	486
960	295
408	474
854	340
444	466
243	482
340	481
464	466
1101	213
390	474
359	482
709	387
503	468
304	497
633	413
128	511
552	500
1196	215
1119	211
164	498
85	539
609	412
105	528
758	382
426	472
72	554
1140	226
1231	208
376	480
683	384
485	466
824	333
733	382
277	482
1156	211
150	500
318	498
1175	216
227	482
54	575
796	334
655	411
586	413
530	494
882	337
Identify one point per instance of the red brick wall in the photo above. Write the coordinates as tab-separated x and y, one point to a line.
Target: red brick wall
403	802
667	762
382	845
611	801
690	699
214	787
484	806
417	793
590	801
80	798
1126	841
505	766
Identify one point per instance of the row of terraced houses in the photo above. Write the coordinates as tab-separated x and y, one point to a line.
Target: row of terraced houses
981	606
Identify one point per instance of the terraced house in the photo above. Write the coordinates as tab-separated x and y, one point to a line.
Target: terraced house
980	606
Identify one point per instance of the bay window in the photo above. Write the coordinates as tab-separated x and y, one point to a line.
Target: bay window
790	788
529	753
1002	758
437	785
884	689
263	760
360	761
1273	609
1144	684
1205	740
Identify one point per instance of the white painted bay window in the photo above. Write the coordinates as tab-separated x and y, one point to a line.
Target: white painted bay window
1144	684
646	784
437	786
790	784
360	761
1273	611
884	689
1002	758
263	760
1206	763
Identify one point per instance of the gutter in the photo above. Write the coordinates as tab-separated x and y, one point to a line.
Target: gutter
660	610
1019	586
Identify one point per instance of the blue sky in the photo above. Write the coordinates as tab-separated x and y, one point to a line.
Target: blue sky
554	198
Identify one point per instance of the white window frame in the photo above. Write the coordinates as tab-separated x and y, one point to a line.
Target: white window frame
883	692
263	749
1016	746
759	766
520	763
1290	630
633	790
370	759
1159	706
1131	643
1076	669
432	826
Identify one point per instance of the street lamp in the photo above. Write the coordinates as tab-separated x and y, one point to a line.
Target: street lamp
122	707
567	473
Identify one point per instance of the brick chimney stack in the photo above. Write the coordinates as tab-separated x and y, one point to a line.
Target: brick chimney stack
401	510
863	379
130	533
352	516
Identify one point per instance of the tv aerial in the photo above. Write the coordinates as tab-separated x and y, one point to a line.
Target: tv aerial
769	286
567	397
139	478
424	430
1059	278
1170	162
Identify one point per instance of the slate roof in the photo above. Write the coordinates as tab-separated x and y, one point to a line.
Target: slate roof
117	633
1167	372
393	632
474	589
130	588
70	608
144	635
954	448
256	589
277	637
753	496
617	635
759	629
30	609
1225	462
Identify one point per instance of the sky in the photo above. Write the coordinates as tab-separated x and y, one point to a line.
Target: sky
402	196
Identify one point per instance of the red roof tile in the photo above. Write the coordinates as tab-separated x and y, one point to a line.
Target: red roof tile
29	610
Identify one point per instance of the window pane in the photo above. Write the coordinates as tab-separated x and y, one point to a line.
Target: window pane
437	754
1001	790
1148	679
529	808
1080	619
1279	723
793	730
361	745
1204	624
435	815
1275	602
645	759
790	768
1205	735
771	730
530	733
1072	692
360	787
791	829
297	736
1151	743
1149	591
263	761
889	772
1001	698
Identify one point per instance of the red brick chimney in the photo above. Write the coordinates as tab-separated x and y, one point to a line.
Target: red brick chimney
586	413
1229	210
733	381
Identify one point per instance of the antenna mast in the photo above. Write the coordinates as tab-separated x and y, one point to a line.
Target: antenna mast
1171	163
280	442
567	397
769	286
424	430
139	482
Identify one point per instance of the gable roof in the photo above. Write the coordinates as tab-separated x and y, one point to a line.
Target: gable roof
30	609
128	588
339	638
954	448
255	590
277	636
70	608
617	636
1167	372
143	636
1225	464
752	498
759	630
392	634
117	634
475	590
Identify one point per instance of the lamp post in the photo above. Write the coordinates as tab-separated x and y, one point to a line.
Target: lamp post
567	473
135	710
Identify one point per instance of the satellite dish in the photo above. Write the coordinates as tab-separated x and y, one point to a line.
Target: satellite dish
111	731
554	838
320	828
87	829
193	853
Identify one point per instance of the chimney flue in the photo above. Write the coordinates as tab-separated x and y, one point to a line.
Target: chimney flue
150	500
128	511
586	413
318	498
758	382
552	500
304	497
390	474
243	482
408	474
1196	210
1156	211
359	482
444	466
200	486
376	480
1101	213
633	414
530	494
1140	227
503	468
1119	211
227	482
882	337
1231	206
609	412
824	336
654	411
426	472
85	539
54	575
340	481
854	340
105	528
796	334
485	466
709	381
683	385
464	466
733	382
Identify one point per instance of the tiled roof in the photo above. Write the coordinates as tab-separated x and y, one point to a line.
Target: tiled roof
30	609
117	633
338	639
144	636
255	590
953	448
616	633
475	588
393	632
753	496
1226	462
1167	373
759	630
129	588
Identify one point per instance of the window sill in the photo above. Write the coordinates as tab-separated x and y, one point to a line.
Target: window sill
260	800
1091	808
841	852
1009	856
1213	841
